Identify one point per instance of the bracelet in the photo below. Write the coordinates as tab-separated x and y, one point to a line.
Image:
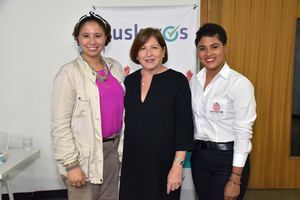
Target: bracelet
236	174
71	165
235	183
179	160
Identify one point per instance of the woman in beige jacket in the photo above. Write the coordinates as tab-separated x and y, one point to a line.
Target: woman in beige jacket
87	115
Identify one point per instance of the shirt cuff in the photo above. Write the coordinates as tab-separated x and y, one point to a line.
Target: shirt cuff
239	159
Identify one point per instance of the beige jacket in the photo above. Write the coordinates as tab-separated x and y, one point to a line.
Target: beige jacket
76	120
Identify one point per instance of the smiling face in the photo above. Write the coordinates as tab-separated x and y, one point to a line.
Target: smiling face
211	53
91	39
151	55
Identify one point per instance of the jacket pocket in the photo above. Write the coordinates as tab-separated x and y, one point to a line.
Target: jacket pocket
81	105
81	120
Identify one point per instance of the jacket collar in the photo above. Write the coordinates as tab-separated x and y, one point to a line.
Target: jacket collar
86	68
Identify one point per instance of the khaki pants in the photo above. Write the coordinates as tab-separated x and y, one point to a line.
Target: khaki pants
108	190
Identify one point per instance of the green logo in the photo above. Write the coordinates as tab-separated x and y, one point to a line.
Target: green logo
170	33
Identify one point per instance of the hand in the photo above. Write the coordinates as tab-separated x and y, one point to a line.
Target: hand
76	177
174	177
231	191
189	75
126	70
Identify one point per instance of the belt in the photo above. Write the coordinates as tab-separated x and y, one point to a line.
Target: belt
111	138
216	146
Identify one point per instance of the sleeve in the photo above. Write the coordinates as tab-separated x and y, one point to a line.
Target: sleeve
118	69
121	142
63	100
184	116
244	106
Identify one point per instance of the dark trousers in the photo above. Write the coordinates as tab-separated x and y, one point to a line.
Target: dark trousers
211	170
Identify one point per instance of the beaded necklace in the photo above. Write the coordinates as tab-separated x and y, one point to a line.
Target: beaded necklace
100	78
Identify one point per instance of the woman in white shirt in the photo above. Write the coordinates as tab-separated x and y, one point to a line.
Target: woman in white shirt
224	112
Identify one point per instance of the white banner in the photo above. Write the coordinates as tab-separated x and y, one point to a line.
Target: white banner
178	24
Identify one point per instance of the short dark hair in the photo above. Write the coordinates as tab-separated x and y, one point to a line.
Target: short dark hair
142	37
96	18
211	30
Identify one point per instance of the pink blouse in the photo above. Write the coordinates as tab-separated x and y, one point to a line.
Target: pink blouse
111	104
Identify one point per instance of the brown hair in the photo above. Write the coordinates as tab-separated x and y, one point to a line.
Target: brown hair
142	37
96	18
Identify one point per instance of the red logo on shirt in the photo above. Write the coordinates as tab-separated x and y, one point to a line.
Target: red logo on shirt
216	107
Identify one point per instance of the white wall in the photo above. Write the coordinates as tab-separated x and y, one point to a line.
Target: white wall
35	40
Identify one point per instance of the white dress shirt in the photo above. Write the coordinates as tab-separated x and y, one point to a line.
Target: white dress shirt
225	110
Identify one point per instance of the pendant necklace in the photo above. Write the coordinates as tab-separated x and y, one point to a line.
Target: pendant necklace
143	82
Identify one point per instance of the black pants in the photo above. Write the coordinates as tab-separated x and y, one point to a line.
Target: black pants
211	170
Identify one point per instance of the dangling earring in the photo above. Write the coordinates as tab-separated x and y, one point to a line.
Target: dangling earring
79	49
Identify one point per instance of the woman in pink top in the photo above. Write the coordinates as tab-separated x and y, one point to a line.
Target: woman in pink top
87	115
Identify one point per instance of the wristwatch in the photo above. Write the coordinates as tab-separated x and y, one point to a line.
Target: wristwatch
179	160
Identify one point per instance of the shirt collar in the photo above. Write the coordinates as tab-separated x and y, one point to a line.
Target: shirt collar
223	73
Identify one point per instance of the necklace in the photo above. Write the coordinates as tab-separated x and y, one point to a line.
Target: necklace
157	71
102	78
98	76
